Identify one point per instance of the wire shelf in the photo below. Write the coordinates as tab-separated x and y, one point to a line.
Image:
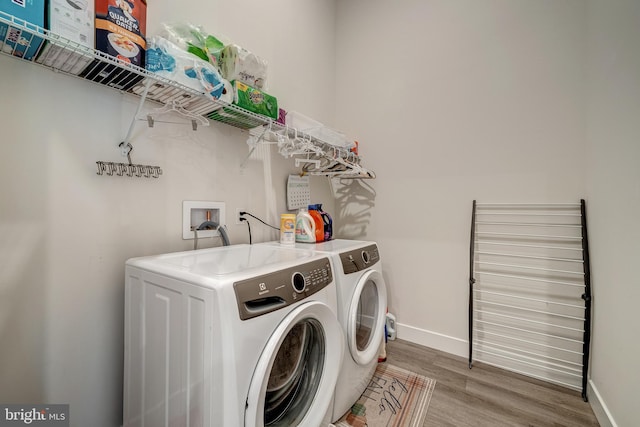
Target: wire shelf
67	57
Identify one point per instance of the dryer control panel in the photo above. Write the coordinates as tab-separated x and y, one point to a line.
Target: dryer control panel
359	259
273	291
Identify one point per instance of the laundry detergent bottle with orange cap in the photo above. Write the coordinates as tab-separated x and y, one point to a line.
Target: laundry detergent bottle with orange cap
305	227
327	224
319	223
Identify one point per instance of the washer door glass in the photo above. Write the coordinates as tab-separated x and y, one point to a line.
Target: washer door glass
298	370
366	317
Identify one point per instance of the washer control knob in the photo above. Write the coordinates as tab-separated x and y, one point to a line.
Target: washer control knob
366	257
298	281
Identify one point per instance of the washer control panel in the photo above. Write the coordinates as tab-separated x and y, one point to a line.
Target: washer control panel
359	259
273	291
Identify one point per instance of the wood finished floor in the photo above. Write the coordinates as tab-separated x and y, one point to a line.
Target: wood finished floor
488	396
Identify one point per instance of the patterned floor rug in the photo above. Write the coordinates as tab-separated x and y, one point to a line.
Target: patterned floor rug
394	397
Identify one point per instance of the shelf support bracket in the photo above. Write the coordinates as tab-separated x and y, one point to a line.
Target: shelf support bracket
299	162
253	142
134	119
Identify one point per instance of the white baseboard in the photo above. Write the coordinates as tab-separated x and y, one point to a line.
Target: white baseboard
434	340
460	347
605	419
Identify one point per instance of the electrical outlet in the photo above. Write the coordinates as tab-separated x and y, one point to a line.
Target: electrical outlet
238	210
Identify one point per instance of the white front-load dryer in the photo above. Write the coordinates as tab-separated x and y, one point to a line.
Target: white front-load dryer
362	305
243	335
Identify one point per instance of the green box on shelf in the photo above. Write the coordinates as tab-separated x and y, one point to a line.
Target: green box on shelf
254	100
236	118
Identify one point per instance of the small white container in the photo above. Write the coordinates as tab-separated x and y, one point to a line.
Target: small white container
318	130
288	229
391	326
302	122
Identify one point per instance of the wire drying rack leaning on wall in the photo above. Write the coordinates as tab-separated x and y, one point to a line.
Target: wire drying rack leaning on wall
530	290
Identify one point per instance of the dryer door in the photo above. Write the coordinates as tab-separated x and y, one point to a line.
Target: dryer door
366	319
295	378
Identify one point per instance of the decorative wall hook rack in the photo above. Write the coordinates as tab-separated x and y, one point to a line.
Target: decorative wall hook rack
128	169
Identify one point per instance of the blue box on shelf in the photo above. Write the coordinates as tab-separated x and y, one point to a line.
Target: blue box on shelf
16	40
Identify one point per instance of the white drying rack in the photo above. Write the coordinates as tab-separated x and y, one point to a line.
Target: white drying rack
530	291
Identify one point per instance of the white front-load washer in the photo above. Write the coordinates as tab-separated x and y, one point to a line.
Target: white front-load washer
362	305
243	335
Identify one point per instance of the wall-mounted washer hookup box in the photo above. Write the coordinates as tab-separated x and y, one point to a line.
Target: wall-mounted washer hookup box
195	213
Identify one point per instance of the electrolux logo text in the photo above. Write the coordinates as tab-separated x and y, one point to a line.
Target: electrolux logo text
35	415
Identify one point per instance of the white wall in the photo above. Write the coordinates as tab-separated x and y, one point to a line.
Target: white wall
65	232
455	101
496	100
614	204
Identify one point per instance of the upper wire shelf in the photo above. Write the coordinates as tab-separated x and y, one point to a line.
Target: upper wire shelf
79	61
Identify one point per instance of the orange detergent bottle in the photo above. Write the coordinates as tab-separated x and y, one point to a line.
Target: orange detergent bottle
317	218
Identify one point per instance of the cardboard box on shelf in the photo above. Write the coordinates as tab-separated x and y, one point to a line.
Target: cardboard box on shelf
74	20
121	27
15	40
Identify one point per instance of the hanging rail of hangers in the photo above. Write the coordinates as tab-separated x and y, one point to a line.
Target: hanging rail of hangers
316	156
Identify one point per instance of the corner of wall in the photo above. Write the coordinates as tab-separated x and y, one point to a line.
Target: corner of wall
604	417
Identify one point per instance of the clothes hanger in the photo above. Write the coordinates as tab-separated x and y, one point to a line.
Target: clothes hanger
175	107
